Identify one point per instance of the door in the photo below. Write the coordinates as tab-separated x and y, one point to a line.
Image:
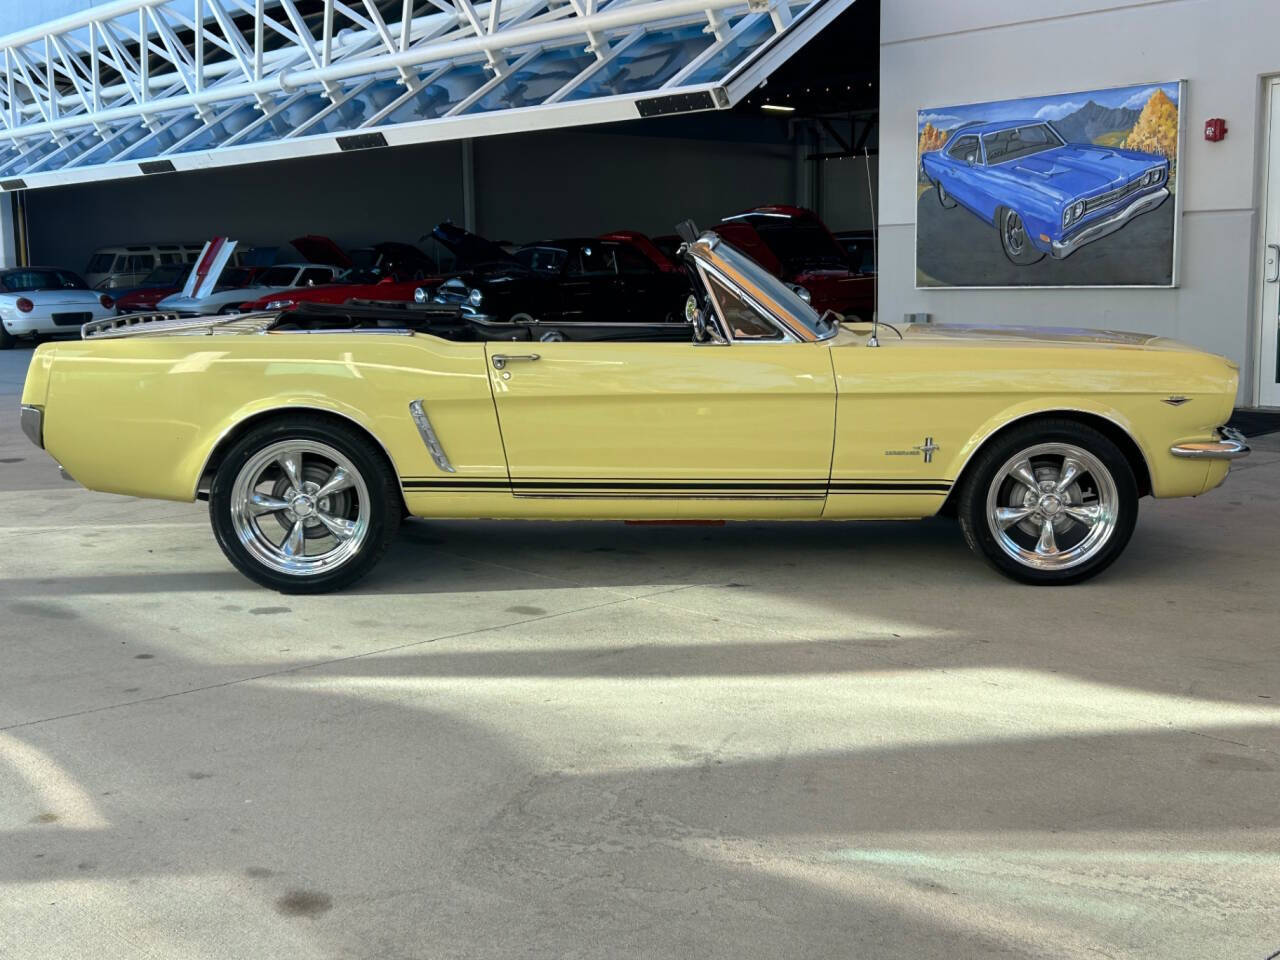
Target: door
1269	340
588	288
648	295
705	430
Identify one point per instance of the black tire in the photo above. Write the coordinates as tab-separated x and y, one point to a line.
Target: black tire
1115	501
7	339
384	503
1014	240
944	198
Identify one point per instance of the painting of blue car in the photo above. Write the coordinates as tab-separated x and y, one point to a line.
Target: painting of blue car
1049	177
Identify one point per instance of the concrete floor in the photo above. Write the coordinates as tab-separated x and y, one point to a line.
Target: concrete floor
593	740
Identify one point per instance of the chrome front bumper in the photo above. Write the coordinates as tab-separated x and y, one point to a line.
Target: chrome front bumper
1232	446
1109	225
31	419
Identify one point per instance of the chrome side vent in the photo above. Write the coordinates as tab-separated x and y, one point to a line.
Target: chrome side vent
429	438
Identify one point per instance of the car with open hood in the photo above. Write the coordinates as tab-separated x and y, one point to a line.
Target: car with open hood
266	282
620	277
311	449
795	245
390	271
1043	195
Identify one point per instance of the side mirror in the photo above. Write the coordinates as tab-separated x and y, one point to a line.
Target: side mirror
971	159
703	332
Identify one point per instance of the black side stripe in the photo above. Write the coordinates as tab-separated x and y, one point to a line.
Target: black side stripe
671	486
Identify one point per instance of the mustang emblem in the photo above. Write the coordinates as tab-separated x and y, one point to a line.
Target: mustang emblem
927	448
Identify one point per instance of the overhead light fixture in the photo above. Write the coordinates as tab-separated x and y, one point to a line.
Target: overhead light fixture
776	108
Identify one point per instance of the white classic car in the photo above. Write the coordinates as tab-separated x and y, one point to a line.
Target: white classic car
283	276
43	300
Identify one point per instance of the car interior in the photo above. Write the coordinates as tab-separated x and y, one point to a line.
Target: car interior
450	323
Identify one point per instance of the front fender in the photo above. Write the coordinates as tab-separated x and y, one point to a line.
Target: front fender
1151	433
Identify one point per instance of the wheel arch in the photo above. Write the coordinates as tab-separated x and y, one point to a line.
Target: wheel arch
249	420
1106	424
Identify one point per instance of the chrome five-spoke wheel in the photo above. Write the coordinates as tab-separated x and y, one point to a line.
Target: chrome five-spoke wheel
1051	501
300	507
304	505
1052	506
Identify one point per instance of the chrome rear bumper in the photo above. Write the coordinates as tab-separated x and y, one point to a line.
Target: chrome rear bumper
1232	446
31	419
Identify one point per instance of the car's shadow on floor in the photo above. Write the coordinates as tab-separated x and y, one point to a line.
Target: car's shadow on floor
469	556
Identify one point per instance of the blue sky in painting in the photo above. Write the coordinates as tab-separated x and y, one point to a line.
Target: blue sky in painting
1044	108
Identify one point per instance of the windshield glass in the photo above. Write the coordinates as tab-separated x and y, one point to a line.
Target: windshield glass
779	292
542	259
234	277
169	275
799	244
278	277
101	263
1005	145
37	279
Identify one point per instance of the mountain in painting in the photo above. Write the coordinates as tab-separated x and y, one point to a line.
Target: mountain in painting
1093	120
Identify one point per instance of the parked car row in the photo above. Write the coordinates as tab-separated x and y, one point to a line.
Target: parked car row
618	277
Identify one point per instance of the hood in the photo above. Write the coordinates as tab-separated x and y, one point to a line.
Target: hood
1023	335
469	248
1078	169
317	249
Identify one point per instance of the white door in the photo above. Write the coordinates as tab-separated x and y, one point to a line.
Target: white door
1269	341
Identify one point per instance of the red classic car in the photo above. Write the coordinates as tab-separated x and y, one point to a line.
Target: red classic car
386	271
795	245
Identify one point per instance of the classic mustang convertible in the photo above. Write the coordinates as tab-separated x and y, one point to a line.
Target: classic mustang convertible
1042	194
313	432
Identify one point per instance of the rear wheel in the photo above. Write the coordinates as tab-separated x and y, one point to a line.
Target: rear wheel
304	506
1014	240
944	198
1053	502
7	339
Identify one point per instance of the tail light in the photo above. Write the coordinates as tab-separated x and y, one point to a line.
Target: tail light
24	305
106	301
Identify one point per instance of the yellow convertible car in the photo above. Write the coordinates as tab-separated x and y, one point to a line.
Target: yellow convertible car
312	433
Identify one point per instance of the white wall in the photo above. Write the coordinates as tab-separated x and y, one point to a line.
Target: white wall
939	52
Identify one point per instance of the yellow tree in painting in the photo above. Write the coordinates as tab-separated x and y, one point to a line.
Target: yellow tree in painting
931	138
1157	128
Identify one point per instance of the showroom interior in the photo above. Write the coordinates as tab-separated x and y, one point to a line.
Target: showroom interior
565	646
523	186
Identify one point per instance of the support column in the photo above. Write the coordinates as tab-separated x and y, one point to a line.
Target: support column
469	218
808	172
9	239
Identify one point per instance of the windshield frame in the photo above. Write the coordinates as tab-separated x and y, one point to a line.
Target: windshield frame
767	292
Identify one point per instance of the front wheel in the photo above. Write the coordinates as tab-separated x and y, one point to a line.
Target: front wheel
1053	502
1014	240
304	506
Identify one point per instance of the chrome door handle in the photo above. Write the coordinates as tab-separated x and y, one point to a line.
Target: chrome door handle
500	360
1273	262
